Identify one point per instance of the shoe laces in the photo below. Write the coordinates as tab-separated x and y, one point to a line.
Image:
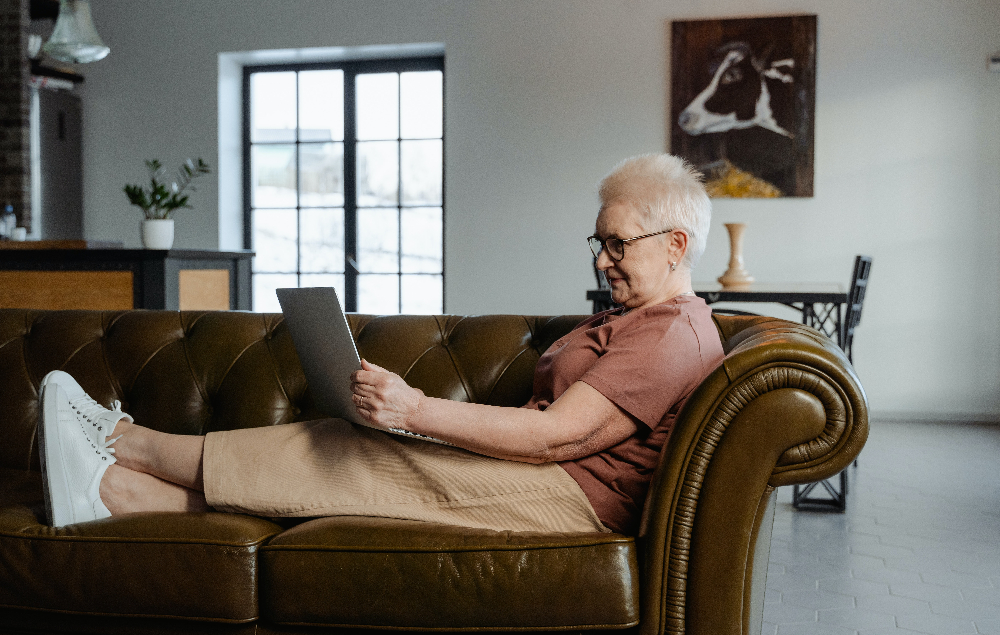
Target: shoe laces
92	411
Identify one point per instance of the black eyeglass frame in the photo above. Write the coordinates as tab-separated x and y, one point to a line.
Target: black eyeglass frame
603	242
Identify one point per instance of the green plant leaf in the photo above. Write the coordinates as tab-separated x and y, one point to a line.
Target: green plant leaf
159	200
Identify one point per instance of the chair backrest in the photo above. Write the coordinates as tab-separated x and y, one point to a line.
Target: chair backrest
855	299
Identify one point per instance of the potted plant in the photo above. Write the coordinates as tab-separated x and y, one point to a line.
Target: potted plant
158	200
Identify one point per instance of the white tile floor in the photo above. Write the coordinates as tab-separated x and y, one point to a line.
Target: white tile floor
917	551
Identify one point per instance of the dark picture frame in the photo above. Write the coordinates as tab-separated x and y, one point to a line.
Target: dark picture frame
743	98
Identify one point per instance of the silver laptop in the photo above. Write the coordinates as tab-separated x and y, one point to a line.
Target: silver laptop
327	352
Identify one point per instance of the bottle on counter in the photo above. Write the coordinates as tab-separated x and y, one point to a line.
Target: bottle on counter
8	221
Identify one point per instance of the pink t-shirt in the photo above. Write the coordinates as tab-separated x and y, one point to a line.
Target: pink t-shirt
647	362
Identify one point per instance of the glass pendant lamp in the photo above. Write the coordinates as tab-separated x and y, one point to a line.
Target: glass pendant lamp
74	38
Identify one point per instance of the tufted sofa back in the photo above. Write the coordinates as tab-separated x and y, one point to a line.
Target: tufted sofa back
197	372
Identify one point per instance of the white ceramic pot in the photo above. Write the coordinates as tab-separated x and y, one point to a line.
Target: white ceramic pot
158	233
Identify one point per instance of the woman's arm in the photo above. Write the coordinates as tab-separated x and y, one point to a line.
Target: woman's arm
579	423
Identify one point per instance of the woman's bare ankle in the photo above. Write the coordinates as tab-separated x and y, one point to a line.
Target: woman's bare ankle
176	458
112	489
123	491
127	443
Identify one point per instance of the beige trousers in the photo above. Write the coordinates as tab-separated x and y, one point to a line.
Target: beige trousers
330	467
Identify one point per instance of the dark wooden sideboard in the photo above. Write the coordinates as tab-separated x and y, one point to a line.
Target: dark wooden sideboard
76	274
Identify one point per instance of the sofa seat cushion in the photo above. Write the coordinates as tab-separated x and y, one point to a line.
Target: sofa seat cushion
378	572
187	566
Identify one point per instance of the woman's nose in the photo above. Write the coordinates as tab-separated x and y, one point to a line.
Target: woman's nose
604	261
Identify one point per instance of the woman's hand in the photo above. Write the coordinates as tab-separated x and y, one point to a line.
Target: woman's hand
383	398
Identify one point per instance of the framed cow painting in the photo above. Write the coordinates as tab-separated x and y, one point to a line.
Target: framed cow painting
743	103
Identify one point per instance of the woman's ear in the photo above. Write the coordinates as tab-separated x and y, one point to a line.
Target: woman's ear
677	245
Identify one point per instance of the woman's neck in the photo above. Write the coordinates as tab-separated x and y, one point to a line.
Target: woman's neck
677	285
625	310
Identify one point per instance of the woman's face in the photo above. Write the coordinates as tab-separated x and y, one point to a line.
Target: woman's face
641	277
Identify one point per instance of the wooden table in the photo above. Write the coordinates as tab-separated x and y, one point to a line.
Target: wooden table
76	274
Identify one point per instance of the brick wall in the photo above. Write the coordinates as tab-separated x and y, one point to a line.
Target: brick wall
15	157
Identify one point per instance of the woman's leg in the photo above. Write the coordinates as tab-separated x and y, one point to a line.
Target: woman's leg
97	462
154	471
124	490
172	457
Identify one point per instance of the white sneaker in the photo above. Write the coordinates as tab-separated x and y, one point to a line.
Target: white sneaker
100	421
72	463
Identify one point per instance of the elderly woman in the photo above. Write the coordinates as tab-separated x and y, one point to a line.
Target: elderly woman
577	457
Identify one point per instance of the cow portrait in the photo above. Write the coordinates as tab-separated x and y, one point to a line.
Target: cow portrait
742	103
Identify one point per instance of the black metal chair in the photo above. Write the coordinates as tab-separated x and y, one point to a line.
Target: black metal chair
837	499
855	298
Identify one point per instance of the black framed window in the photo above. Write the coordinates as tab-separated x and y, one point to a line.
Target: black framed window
343	171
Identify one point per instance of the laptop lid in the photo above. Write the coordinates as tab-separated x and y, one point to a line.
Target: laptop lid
327	352
325	346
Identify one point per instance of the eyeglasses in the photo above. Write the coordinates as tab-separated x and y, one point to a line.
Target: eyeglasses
616	246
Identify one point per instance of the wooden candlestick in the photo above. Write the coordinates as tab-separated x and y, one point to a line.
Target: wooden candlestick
736	276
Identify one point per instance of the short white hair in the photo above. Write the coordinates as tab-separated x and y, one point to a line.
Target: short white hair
668	192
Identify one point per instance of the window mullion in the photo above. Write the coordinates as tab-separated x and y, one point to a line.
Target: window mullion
247	150
399	192
298	188
350	191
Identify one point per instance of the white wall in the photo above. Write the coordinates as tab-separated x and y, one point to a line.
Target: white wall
544	96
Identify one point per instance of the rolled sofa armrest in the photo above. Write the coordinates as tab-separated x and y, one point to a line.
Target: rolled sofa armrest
785	407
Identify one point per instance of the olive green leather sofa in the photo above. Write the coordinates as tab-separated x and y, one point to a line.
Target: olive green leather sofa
784	408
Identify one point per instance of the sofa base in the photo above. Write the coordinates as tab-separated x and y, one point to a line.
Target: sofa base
25	622
22	622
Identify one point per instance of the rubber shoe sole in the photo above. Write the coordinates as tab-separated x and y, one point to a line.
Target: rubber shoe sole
71	475
58	508
43	458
